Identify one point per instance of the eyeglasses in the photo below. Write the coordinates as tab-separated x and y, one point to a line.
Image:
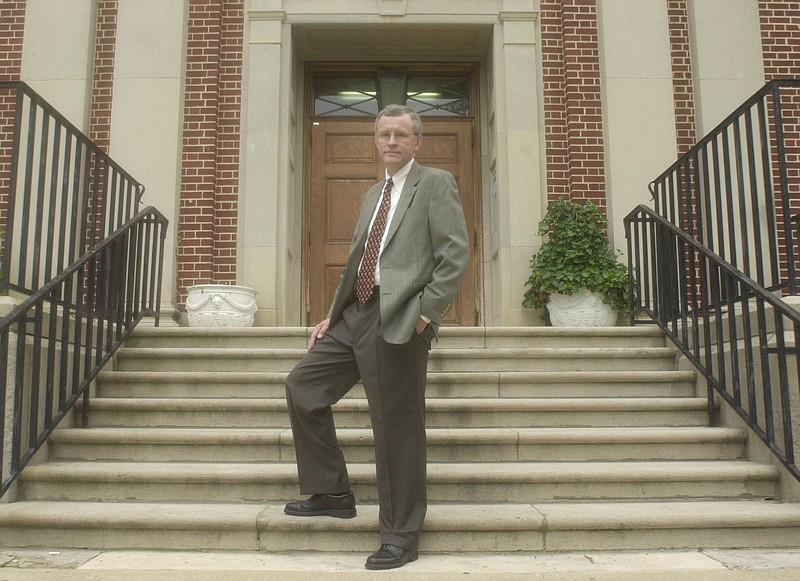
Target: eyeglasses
386	136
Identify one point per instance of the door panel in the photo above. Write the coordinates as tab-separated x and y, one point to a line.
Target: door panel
344	165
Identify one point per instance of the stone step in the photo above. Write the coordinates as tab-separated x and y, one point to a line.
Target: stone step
440	413
444	445
449	337
539	439
486	384
449	527
484	482
588	359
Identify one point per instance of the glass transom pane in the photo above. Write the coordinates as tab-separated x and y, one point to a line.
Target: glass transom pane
357	96
449	96
345	96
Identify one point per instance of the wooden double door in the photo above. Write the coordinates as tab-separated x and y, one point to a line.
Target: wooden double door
343	165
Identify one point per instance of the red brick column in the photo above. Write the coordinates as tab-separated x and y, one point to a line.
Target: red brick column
229	124
682	76
210	159
780	46
105	42
12	30
103	74
780	38
555	114
572	101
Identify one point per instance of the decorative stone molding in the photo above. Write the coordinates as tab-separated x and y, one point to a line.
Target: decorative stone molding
392	7
220	305
519	27
266	27
507	16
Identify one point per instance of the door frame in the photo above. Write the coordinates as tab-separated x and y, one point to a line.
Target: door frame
313	68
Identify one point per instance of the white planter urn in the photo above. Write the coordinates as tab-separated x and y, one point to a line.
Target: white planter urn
582	309
220	305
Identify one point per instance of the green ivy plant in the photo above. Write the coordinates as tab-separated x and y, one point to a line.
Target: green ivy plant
576	255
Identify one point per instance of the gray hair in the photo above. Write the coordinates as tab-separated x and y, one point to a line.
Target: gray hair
399	111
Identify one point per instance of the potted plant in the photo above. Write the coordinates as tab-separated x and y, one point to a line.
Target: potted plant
576	267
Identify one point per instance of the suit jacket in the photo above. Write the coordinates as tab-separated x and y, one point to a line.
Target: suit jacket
424	258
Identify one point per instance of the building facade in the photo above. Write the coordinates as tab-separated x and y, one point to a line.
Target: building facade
249	121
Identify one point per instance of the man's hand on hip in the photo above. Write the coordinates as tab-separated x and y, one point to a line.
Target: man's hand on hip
319	332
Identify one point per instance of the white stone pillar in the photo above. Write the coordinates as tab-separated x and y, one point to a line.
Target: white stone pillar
263	258
517	191
57	54
638	108
147	114
727	58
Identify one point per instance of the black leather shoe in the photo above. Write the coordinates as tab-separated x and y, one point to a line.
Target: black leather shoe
390	557
324	505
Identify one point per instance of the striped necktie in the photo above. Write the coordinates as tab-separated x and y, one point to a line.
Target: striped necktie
366	275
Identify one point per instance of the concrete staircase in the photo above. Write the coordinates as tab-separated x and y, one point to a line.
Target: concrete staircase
540	439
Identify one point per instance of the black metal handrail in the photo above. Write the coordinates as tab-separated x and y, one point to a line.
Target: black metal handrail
732	191
740	336
55	342
64	194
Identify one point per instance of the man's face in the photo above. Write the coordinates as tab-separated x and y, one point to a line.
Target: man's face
396	141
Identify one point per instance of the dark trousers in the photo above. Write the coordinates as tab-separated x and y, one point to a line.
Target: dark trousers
394	378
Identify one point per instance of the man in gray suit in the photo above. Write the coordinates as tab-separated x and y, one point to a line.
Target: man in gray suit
407	259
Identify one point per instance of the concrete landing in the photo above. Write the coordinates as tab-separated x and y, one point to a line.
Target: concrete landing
83	565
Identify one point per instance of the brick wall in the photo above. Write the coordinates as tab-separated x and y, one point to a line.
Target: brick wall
207	223
572	102
105	41
103	74
780	38
780	45
682	79
683	101
7	106
12	30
